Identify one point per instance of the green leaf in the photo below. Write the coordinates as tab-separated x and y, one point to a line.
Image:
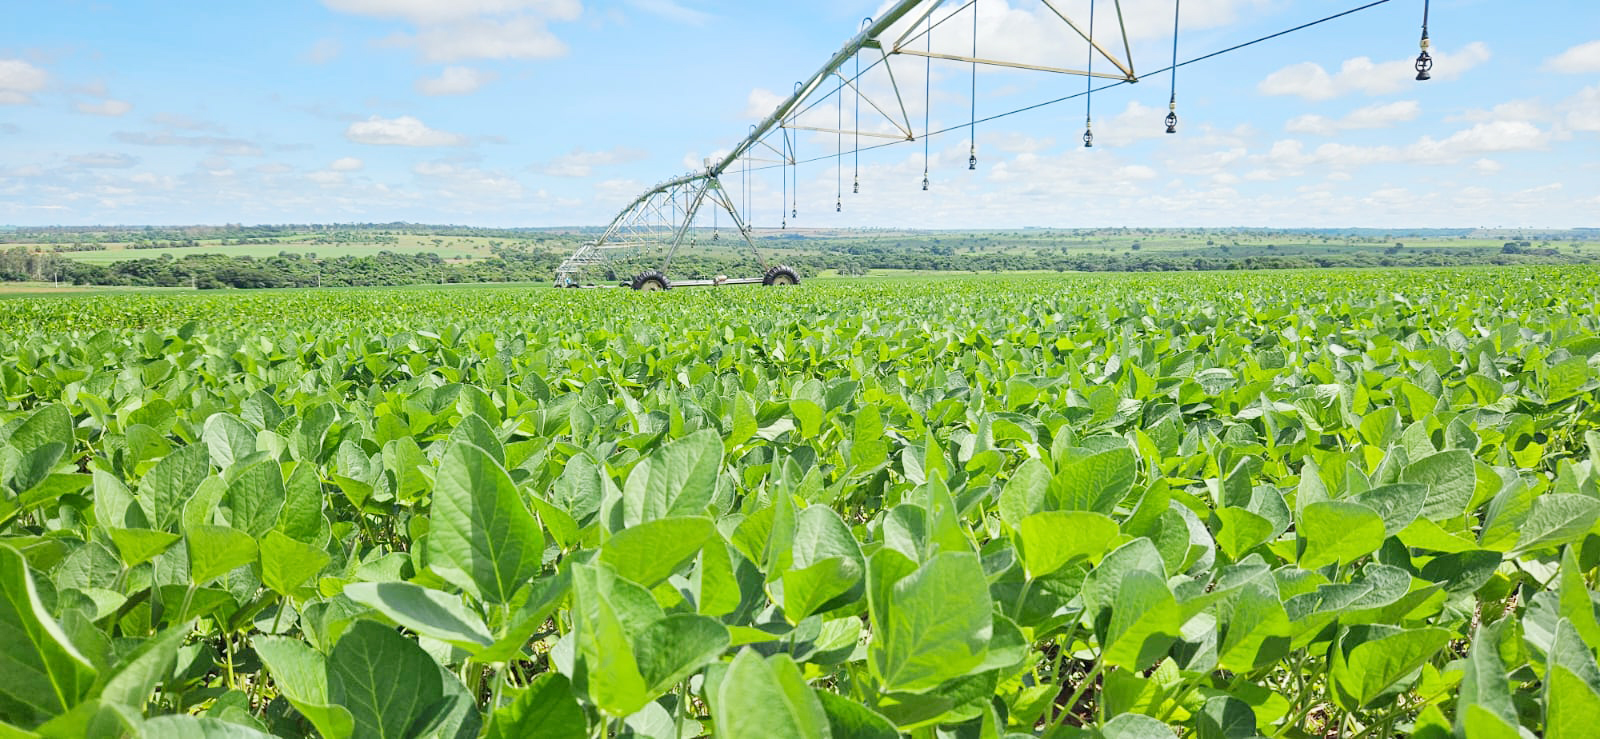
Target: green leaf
935	626
44	675
1450	478
1094	482
767	699
255	498
427	612
215	551
1485	707
228	439
1577	602
481	538
675	480
168	485
1398	504
1369	660
198	727
1338	532
301	675
651	552
546	708
1226	717
138	546
386	681
1135	726
671	649
1557	520
1239	531
1145	621
135	677
287	564
1025	493
1572	686
848	719
1049	541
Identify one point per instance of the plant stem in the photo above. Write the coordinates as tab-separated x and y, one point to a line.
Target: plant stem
1083	687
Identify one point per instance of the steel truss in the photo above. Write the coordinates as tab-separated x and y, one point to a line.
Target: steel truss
659	223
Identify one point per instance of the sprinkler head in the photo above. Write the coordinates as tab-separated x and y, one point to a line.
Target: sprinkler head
856	189
972	162
1088	138
1424	60
1172	123
925	182
838	206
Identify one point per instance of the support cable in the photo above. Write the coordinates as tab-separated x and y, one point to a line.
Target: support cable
1088	87
972	132
838	159
1425	60
1120	83
927	106
1172	105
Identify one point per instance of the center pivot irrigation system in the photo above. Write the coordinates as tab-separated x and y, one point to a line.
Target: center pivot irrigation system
639	245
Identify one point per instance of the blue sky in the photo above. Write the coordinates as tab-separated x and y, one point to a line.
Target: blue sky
558	112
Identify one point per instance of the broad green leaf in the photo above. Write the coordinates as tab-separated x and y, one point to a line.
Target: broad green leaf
1049	541
301	675
1338	532
1398	504
848	719
1145	621
1557	520
168	485
481	538
1485	707
1238	531
287	564
1225	717
1135	726
1094	481
934	626
1025	493
1572	686
255	498
651	552
1367	661
767	699
546	708
228	439
431	613
675	480
44	673
1450	478
671	649
215	551
138	546
134	678
385	680
199	727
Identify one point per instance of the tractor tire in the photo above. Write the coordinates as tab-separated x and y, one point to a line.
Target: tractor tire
652	281
780	275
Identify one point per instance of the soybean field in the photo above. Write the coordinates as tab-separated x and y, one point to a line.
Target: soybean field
1213	505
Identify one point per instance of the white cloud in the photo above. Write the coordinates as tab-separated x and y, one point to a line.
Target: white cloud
18	80
1484	138
324	51
109	108
455	81
430	12
402	131
1487	166
1583	110
483	38
672	11
104	160
347	164
1372	116
228	146
582	163
469	184
1310	81
326	178
1580	59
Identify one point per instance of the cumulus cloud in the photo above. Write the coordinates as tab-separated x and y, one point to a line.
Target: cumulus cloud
672	11
452	30
19	80
227	146
402	131
1310	81
429	12
347	164
103	160
1583	110
1372	116
582	163
1580	59
483	38
108	108
324	51
455	81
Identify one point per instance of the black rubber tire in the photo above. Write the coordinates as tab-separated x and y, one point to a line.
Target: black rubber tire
651	281
780	275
